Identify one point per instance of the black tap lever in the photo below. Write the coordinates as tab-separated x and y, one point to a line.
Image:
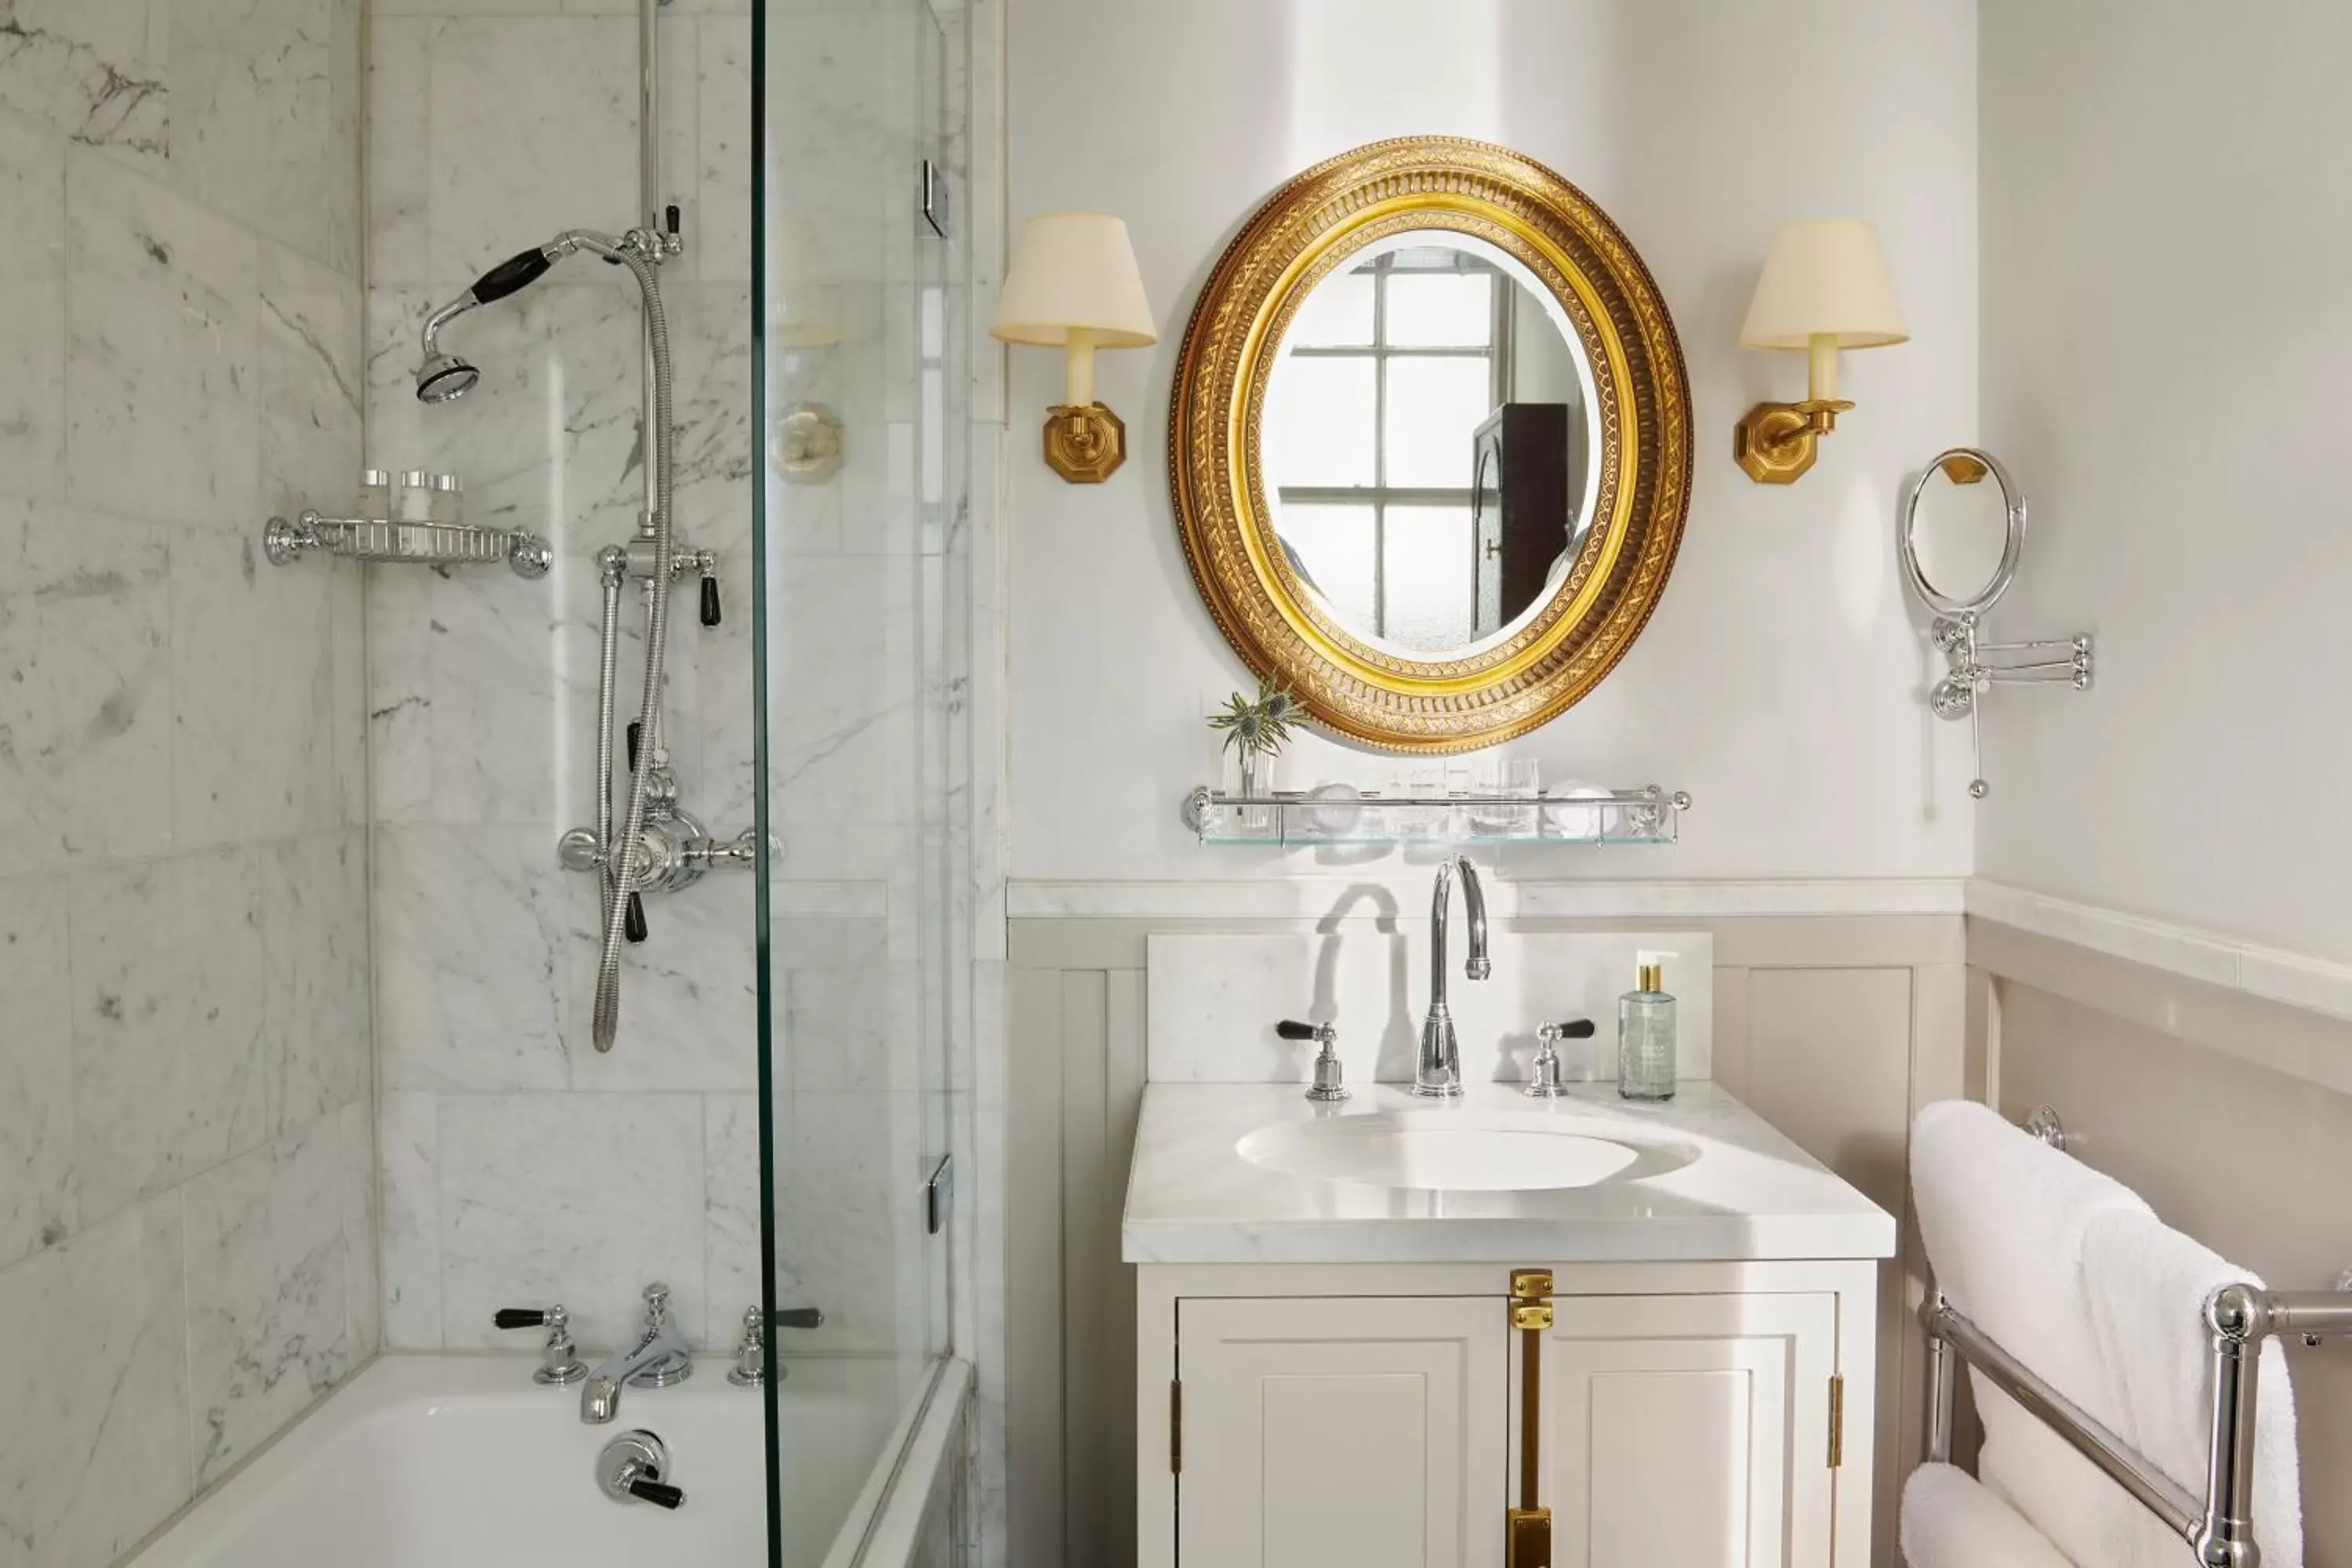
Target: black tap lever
658	1493
710	598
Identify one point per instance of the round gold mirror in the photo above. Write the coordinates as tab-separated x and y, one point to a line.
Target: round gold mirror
1430	447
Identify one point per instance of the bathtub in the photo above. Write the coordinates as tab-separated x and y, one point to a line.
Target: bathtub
425	1461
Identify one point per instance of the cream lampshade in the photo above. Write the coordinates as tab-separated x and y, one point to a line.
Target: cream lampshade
1074	285
1825	287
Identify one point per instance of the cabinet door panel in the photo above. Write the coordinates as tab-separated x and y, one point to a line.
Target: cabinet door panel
1366	1432
1689	1431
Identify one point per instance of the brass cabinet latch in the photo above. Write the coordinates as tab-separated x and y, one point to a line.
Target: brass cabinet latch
1527	1528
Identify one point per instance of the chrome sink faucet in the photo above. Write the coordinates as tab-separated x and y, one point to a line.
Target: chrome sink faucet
660	1357
1437	1069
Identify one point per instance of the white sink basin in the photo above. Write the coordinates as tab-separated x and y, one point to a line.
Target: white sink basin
1462	1151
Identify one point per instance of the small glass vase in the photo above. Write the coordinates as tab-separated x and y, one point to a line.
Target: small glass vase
1254	780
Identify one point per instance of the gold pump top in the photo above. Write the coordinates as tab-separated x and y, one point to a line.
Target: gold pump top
1654	977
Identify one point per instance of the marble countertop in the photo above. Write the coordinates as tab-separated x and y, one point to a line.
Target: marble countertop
1750	1194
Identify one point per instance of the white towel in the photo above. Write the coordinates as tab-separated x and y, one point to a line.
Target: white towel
2003	1216
1951	1521
2147	1286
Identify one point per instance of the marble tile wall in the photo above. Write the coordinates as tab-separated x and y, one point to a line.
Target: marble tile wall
520	1165
188	1252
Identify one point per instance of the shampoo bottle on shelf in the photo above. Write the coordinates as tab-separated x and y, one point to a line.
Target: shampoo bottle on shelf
1645	1034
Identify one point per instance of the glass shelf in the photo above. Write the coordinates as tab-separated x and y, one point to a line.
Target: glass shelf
1645	816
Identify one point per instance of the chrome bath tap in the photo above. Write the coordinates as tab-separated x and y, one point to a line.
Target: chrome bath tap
1437	1069
660	1357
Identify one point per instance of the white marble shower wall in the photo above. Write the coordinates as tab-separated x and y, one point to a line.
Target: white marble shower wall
520	1167
187	1241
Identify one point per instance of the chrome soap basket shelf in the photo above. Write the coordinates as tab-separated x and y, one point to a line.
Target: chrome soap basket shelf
413	543
1336	814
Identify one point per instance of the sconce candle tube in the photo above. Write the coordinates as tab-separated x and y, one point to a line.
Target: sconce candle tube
1821	371
1079	367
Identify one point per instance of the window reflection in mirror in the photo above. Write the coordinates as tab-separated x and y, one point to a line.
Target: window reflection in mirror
1428	444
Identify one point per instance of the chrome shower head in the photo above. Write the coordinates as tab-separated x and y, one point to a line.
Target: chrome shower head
445	378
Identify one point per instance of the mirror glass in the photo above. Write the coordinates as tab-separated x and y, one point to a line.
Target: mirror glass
1959	531
1428	444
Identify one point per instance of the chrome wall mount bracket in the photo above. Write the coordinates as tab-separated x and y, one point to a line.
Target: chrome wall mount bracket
2045	1125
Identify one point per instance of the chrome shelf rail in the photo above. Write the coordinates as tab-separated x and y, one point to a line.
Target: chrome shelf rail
408	543
1285	817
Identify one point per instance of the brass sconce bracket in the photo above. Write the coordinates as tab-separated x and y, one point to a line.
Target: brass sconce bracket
1776	443
1085	443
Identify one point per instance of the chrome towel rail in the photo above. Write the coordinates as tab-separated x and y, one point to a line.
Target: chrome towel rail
2239	1317
411	543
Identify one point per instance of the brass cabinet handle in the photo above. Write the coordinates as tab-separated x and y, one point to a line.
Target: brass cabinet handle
1528	1541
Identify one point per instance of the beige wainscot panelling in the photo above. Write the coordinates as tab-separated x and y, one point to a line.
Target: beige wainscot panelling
1834	1026
2226	1111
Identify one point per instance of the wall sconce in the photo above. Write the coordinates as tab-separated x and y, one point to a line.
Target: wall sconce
1074	285
1825	287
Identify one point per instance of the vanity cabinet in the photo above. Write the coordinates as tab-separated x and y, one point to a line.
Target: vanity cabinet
1687	1415
1366	1431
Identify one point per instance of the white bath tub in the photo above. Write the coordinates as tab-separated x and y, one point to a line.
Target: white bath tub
464	1462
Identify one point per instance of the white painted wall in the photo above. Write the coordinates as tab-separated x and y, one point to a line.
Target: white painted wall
1778	680
2166	334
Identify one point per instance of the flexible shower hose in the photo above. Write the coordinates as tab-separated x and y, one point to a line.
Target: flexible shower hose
622	854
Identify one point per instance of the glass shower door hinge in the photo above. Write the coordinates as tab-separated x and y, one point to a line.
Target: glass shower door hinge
938	1195
935	198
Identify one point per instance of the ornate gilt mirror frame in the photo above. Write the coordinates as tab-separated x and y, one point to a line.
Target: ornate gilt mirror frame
1309	229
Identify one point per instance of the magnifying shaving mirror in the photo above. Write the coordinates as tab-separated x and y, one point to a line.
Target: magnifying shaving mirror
1961	539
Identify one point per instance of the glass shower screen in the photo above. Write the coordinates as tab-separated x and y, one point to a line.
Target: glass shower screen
859	322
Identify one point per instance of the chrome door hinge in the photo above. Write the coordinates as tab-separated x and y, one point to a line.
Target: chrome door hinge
1837	1422
1175	1428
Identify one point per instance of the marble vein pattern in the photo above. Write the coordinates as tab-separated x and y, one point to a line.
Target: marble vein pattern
187	1231
314	938
253	689
473	979
86	707
33	309
161	334
557	101
577	1198
363	1231
93	69
172	1060
36	1195
267	1277
408	1140
730	1211
264	117
311	375
94	1453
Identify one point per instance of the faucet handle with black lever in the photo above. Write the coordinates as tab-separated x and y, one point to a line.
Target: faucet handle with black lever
1328	1087
1544	1075
560	1365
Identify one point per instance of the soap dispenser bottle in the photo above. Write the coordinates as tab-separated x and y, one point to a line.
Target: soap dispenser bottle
1645	1034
